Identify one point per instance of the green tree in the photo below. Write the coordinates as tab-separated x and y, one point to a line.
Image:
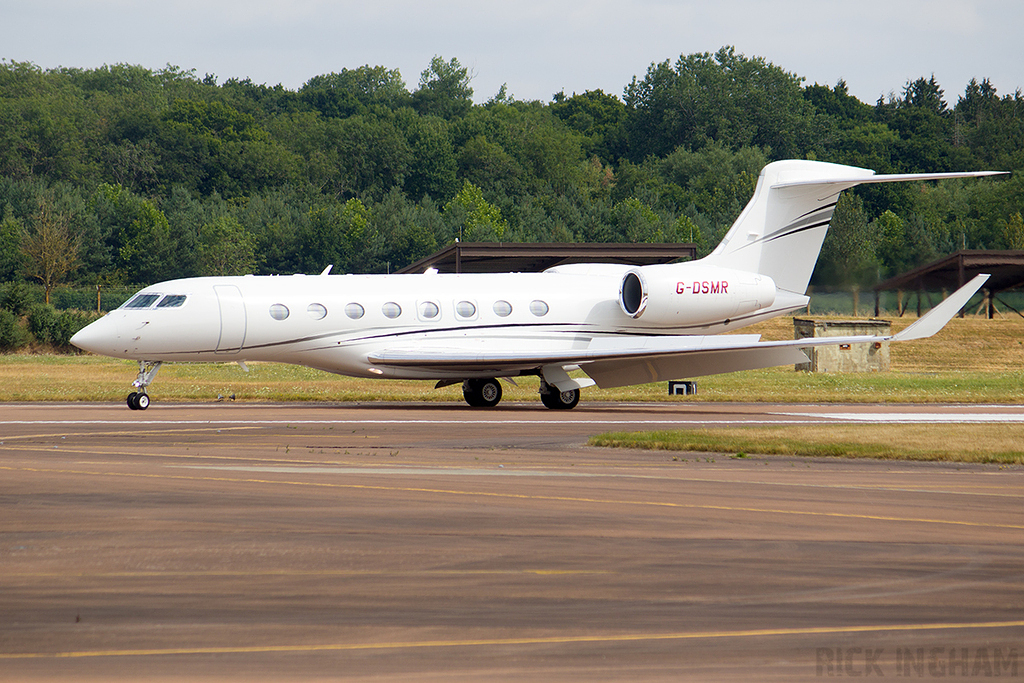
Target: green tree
472	218
372	155
599	117
144	247
434	168
637	222
1014	232
847	255
891	242
355	91
409	231
339	236
10	248
726	97
50	247
226	248
444	90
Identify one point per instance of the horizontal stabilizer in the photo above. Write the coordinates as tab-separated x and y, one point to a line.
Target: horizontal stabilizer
845	181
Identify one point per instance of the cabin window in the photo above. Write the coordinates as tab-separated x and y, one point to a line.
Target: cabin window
172	301
465	309
279	311
503	308
142	301
354	311
317	311
391	310
538	308
429	310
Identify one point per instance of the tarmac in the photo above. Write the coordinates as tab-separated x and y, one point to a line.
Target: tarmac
435	542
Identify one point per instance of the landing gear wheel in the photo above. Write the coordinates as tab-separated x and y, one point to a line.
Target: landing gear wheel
481	393
560	400
138	400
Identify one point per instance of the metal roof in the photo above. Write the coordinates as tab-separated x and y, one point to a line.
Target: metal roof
506	257
951	272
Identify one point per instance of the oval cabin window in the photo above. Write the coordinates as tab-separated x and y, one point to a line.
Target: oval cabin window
429	310
317	311
354	311
538	308
503	308
391	310
278	311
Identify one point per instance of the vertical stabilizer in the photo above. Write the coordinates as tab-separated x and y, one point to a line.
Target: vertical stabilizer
781	230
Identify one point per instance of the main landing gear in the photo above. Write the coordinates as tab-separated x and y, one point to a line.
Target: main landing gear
139	400
486	393
481	393
552	398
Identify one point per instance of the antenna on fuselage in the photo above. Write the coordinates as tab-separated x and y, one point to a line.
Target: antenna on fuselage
327	270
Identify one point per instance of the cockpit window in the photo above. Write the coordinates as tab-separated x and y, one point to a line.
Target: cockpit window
172	301
142	301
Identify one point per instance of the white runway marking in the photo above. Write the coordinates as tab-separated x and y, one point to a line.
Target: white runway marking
404	471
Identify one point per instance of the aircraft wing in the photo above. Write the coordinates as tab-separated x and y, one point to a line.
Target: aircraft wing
621	361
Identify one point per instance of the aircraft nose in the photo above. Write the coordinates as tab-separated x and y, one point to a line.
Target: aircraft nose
98	337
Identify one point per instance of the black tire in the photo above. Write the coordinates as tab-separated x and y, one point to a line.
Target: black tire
131	400
141	401
560	400
482	393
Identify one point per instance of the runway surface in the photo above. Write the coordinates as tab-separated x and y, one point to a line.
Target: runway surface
438	543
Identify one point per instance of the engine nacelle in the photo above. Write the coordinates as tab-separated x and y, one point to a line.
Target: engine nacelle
692	294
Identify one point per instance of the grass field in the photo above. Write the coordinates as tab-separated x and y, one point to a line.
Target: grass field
1003	444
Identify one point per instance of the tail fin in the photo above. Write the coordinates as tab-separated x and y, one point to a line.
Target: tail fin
780	232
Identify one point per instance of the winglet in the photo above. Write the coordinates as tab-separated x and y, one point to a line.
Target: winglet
935	319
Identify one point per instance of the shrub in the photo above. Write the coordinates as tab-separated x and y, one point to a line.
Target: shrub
69	322
12	333
42	322
16	297
53	327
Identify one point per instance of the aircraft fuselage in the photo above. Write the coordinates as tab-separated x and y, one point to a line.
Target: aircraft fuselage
335	322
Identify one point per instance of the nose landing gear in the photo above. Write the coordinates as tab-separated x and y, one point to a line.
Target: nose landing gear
139	400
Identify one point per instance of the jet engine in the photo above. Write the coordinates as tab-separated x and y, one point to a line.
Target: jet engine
683	294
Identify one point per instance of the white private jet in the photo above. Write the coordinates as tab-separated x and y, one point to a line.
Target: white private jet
619	324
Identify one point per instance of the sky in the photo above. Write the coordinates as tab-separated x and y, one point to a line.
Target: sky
535	47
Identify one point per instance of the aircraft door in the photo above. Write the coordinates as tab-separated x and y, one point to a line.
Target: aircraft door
232	319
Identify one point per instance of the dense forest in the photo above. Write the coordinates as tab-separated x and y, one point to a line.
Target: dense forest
122	176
